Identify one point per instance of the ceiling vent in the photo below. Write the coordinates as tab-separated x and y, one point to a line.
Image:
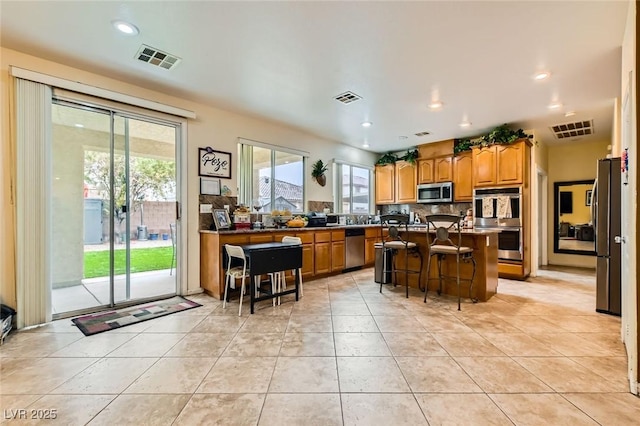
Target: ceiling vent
572	130
347	97
157	57
421	134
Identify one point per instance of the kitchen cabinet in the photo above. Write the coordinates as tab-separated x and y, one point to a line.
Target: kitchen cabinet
462	177
385	184
425	171
443	169
337	256
406	184
322	252
500	165
308	265
371	237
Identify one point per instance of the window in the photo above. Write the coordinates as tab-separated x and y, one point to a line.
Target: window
354	189
271	179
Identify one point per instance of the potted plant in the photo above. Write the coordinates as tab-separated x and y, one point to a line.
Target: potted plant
319	168
387	158
410	157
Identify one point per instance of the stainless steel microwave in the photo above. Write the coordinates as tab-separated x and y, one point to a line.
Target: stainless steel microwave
435	192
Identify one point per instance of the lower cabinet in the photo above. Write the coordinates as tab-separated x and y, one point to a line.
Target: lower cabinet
337	256
308	264
323	258
369	251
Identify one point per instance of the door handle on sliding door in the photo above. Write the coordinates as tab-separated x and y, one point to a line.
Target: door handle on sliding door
177	210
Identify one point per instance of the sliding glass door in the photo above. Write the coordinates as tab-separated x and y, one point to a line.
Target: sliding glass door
113	208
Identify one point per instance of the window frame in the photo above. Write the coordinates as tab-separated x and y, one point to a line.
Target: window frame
339	185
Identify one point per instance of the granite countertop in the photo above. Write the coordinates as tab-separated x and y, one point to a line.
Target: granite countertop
419	228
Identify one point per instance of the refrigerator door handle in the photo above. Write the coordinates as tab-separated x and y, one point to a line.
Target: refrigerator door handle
594	207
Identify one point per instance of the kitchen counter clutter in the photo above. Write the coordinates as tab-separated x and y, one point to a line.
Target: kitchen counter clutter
323	254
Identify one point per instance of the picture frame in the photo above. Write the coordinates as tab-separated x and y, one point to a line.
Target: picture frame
212	163
588	196
221	219
209	186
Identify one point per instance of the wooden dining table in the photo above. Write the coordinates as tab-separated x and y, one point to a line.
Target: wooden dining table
265	258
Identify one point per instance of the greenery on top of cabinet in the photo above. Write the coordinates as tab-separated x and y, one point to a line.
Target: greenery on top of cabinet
501	135
388	158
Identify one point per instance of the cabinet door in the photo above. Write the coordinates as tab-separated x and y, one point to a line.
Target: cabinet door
509	163
369	251
425	171
385	184
406	185
443	170
484	166
462	177
337	256
307	260
322	258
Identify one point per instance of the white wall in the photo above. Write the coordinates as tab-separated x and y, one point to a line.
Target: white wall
213	127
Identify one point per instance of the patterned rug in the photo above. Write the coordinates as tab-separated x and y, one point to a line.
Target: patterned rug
105	321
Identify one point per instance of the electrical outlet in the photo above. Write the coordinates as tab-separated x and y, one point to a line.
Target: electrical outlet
206	208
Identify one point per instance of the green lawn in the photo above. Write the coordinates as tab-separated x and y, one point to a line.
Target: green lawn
96	263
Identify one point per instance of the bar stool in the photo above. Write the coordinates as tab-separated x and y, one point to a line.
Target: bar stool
397	223
441	245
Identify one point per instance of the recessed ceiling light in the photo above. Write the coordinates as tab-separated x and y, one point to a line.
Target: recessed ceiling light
365	145
79	125
541	75
465	124
367	124
435	105
569	113
125	27
554	105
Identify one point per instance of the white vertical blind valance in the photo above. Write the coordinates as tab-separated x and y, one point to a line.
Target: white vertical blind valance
33	137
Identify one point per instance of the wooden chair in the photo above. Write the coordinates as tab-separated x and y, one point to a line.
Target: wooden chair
395	224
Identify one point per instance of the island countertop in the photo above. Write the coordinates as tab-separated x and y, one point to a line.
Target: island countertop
414	228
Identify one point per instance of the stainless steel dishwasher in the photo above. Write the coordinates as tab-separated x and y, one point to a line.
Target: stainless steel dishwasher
354	250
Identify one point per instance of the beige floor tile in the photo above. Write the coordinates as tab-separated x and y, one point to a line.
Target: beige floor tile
305	374
13	406
254	344
387	308
370	374
609	343
540	409
10	365
354	324
350	308
360	344
533	324
608	409
282	310
519	344
199	345
461	410
381	409
98	345
265	324
466	344
565	375
574	344
148	345
221	410
436	374
173	375
239	375
413	344
141	410
488	323
306	307
611	368
309	324
174	324
107	376
78	410
308	344
501	375
398	324
301	409
36	345
44	375
442	324
219	324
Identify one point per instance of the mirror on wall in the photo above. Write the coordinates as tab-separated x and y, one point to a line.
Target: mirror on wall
573	221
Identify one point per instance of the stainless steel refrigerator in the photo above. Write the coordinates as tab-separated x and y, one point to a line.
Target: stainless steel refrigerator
606	205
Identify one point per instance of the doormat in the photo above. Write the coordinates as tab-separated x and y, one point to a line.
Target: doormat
105	321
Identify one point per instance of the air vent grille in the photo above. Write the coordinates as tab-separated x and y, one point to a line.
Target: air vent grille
422	134
347	97
572	130
157	57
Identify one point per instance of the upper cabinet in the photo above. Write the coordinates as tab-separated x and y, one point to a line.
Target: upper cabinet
406	184
425	171
385	184
462	177
498	165
443	169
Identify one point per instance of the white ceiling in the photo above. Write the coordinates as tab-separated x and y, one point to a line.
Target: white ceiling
286	61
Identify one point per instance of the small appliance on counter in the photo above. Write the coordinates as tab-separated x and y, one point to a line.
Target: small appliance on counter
317	219
242	218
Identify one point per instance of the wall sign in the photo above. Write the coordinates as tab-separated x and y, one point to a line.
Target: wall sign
214	163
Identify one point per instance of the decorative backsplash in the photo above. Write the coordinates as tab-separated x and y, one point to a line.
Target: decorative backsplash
426	209
217	202
319	206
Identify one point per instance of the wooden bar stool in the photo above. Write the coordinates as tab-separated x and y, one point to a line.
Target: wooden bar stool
441	245
395	223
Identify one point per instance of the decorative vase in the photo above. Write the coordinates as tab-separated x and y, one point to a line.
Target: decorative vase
322	180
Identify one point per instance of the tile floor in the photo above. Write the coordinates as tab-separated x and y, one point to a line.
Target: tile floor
535	354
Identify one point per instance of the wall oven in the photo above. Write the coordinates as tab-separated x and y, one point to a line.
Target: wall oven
435	192
500	209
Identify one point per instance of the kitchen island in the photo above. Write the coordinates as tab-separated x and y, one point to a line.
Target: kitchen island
323	254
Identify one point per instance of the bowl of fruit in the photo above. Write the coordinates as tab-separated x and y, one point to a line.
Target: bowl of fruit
297	222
